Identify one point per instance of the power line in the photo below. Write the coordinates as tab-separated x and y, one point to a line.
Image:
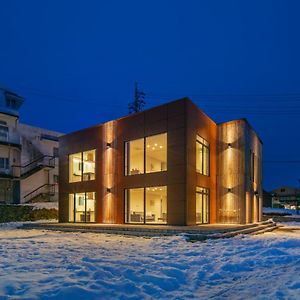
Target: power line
218	105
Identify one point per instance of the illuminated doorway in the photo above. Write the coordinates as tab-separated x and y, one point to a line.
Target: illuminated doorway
202	205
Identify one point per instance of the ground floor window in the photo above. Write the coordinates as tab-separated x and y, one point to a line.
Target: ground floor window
202	205
82	207
146	205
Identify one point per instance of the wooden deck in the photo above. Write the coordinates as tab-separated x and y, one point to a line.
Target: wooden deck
197	232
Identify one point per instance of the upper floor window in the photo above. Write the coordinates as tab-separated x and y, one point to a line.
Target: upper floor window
82	166
146	155
55	152
88	170
202	156
134	157
3	131
4	163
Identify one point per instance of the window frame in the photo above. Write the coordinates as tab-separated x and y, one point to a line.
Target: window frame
126	158
85	206
126	171
204	144
206	192
126	192
82	165
6	163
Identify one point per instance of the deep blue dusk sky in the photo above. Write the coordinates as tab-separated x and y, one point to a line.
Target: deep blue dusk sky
75	62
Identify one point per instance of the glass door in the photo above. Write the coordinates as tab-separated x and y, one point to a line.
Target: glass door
202	205
82	207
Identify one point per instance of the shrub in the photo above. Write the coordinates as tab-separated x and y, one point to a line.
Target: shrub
19	213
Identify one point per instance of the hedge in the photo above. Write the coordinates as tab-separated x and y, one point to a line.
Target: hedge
19	213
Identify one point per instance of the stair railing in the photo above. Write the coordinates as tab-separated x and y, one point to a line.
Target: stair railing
42	161
46	188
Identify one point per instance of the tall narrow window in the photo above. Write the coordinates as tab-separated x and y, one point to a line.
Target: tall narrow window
75	167
90	207
134	205
156	153
202	205
156	204
80	207
55	151
71	207
202	156
4	163
134	157
3	131
89	165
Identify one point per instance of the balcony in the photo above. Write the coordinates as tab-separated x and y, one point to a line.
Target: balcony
11	139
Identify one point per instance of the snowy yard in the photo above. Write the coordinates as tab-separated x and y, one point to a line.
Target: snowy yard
39	264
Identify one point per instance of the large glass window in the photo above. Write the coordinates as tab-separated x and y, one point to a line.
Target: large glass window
134	205
82	207
146	155
202	156
134	157
156	153
89	165
146	205
202	205
82	166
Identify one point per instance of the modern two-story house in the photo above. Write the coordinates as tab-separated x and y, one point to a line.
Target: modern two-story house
170	165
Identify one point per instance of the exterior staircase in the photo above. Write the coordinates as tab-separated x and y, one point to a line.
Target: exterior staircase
44	161
44	191
251	229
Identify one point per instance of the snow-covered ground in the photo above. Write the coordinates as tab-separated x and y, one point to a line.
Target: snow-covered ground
286	212
279	210
38	264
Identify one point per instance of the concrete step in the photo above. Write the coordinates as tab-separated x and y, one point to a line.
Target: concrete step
259	228
264	230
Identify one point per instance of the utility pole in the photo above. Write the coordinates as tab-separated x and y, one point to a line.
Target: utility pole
139	100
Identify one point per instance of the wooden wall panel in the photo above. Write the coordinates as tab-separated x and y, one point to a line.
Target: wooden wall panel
237	199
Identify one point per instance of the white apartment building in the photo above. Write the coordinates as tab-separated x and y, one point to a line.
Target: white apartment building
28	156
